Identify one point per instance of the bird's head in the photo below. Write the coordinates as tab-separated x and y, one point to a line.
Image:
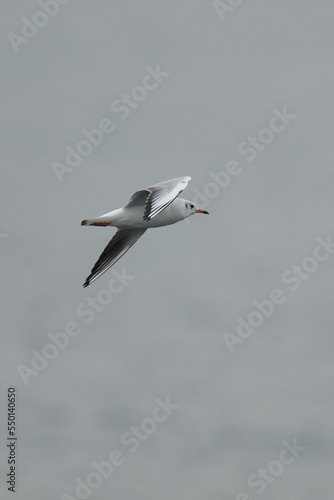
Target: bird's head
191	209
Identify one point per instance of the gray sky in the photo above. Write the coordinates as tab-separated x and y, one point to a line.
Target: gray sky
248	92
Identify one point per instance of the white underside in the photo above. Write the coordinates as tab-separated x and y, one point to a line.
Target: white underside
132	217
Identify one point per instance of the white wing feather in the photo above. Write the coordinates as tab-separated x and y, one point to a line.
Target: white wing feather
156	198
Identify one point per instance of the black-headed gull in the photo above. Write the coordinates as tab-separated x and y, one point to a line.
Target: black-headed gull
153	206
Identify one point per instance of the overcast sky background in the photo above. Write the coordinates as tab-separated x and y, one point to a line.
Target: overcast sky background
162	336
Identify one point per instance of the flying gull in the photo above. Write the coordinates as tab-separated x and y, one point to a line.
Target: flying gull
153	206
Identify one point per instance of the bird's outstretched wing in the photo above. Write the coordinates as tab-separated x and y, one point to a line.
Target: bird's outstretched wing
117	246
155	199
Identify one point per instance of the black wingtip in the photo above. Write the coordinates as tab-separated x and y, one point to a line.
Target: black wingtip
84	222
86	283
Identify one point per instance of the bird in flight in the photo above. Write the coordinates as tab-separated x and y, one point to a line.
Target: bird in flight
153	206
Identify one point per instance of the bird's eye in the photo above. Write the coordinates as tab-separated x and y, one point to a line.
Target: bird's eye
192	206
